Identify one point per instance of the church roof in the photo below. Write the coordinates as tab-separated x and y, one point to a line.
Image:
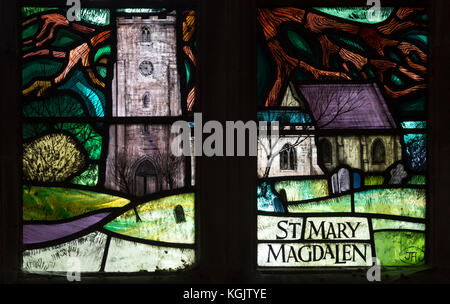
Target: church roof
347	106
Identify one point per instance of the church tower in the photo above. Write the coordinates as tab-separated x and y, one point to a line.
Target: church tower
146	80
146	84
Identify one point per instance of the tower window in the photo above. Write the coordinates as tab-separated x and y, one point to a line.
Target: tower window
146	100
145	34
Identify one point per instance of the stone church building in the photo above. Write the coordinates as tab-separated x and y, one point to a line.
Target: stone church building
346	107
146	84
350	107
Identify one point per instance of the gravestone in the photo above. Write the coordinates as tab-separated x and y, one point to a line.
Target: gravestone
179	214
397	175
340	181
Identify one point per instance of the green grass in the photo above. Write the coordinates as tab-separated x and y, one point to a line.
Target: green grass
379	224
392	201
298	190
158	220
417	180
400	248
338	204
373	180
51	203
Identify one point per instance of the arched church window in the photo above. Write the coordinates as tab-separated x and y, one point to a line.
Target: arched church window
288	158
378	152
325	151
145	34
146	100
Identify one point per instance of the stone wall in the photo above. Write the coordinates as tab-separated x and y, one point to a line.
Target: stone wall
355	151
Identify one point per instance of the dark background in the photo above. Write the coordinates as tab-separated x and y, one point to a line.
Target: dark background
226	186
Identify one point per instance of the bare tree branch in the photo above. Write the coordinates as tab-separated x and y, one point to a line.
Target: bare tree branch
120	172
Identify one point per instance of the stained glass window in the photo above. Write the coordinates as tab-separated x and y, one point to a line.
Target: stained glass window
349	93
100	184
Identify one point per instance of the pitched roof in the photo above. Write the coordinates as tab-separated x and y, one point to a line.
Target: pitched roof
347	106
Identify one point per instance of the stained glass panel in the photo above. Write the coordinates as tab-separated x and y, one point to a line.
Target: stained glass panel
107	196
349	93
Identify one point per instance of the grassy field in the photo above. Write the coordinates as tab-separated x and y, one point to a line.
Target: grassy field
417	180
392	201
158	220
338	204
379	224
298	190
52	203
409	202
400	248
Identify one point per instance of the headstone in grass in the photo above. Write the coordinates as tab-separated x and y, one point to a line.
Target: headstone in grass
340	181
397	175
